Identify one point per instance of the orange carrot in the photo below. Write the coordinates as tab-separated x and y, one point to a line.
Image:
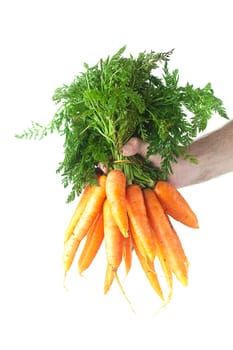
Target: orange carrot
139	220
93	242
166	236
112	237
113	247
184	257
175	205
149	269
109	277
147	265
78	212
115	192
161	254
70	249
102	180
127	253
92	209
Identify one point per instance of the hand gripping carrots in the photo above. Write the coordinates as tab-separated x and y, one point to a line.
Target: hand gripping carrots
130	219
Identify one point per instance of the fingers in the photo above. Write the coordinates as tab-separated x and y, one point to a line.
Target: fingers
134	146
103	168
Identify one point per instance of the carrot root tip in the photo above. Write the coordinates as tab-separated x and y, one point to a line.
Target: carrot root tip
123	291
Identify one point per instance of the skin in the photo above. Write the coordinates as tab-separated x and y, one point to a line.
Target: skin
214	153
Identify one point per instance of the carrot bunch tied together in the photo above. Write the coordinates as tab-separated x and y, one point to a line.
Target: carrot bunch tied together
130	219
129	209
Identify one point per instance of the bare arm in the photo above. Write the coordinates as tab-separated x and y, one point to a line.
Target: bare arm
214	153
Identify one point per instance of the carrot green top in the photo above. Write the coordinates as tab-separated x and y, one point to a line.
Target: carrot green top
120	97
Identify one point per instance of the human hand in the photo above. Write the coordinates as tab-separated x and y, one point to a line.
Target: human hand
136	146
132	147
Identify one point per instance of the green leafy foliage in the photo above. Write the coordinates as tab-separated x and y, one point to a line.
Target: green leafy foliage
116	99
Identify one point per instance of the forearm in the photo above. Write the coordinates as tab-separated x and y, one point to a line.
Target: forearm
214	153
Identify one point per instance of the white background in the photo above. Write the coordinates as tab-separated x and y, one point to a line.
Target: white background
43	45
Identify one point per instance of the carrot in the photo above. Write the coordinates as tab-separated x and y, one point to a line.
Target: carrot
93	242
114	249
70	248
109	277
102	180
112	237
127	253
185	259
167	236
139	220
115	192
161	254
81	205
92	209
149	269
78	212
147	265
175	205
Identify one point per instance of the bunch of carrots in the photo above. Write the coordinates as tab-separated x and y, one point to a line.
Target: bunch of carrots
129	218
129	209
